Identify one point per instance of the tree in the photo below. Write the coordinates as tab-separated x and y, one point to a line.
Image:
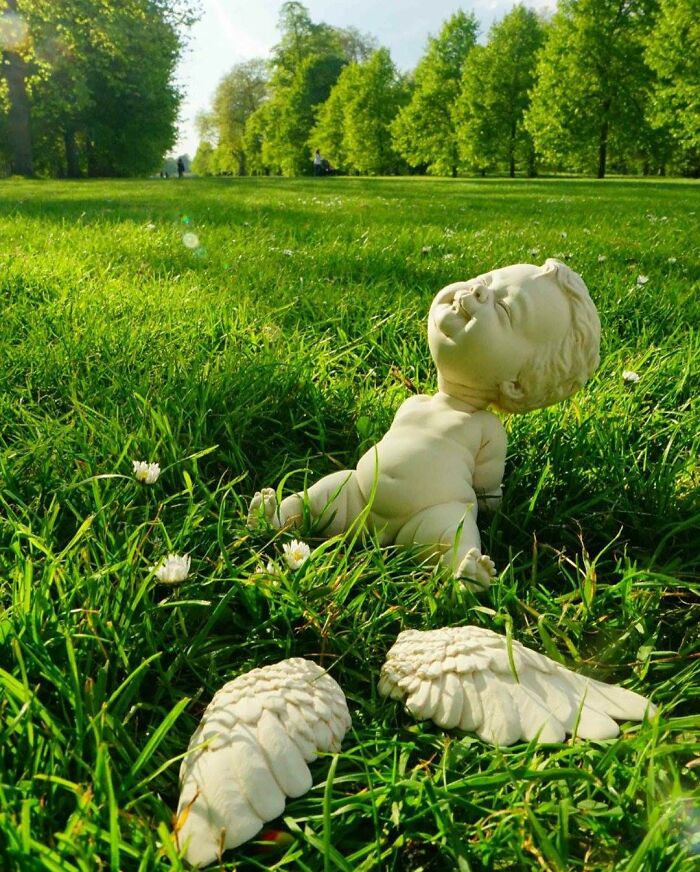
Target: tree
592	83
328	134
355	45
305	65
292	110
16	45
424	130
255	139
354	124
91	106
203	163
673	53
238	95
495	94
133	117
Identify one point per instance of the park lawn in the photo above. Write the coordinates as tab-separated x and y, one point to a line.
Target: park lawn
242	332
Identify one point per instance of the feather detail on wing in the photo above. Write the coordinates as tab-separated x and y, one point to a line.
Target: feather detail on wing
250	752
472	678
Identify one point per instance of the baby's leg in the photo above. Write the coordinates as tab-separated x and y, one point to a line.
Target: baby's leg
450	533
334	502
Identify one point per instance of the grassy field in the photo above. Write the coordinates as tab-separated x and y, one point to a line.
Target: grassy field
243	331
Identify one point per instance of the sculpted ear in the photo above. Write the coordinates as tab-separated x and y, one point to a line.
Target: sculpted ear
512	391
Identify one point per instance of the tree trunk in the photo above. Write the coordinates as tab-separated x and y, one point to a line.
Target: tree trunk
19	132
72	161
511	149
603	149
531	165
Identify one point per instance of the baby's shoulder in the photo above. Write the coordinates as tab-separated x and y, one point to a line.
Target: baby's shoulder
414	403
489	423
487	417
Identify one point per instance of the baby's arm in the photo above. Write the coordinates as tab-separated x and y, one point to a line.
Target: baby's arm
334	501
490	461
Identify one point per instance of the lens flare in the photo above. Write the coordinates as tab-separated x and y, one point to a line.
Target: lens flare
13	30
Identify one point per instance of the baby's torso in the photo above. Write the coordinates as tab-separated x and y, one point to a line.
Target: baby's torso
426	458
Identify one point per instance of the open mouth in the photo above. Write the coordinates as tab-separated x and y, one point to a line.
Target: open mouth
452	321
459	309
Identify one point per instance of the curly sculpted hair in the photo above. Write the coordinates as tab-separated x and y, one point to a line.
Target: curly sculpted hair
558	370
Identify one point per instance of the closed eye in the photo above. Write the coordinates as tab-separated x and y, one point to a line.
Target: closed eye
505	308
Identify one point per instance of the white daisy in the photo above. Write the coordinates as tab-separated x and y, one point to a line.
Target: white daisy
146	472
174	569
630	377
296	553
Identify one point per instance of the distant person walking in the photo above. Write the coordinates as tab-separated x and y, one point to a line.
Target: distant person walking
318	163
180	168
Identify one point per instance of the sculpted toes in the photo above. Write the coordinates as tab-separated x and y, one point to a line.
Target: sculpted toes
262	509
476	570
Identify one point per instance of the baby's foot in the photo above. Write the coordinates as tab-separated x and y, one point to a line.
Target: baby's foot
478	568
263	510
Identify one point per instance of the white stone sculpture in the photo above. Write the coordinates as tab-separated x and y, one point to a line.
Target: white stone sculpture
518	338
474	679
250	752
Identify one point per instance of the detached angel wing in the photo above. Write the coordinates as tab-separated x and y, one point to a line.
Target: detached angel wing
250	752
465	677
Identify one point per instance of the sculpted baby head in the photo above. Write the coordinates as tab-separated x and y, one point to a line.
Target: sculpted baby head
521	337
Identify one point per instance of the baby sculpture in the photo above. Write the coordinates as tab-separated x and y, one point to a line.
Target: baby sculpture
519	338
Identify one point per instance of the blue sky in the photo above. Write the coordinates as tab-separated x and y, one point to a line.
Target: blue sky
231	31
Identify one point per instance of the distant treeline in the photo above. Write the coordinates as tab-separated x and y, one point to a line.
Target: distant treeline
601	85
87	86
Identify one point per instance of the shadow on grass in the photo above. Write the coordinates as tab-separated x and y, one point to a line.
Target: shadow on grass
99	201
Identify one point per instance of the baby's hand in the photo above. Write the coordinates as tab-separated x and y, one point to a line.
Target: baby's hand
478	568
263	510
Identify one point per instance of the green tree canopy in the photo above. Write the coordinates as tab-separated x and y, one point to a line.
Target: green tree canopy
305	65
593	85
353	129
203	163
673	52
97	82
238	95
495	94
424	130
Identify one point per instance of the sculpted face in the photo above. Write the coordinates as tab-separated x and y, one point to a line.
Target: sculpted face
483	331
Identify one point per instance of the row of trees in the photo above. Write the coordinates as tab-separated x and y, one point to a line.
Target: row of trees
601	83
87	85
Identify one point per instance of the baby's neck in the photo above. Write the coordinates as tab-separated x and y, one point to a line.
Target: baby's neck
469	398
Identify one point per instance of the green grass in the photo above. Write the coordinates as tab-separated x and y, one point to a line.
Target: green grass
235	364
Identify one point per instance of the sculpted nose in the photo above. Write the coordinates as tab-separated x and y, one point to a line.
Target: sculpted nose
471	297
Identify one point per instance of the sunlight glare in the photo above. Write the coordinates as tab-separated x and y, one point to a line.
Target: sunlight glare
13	30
